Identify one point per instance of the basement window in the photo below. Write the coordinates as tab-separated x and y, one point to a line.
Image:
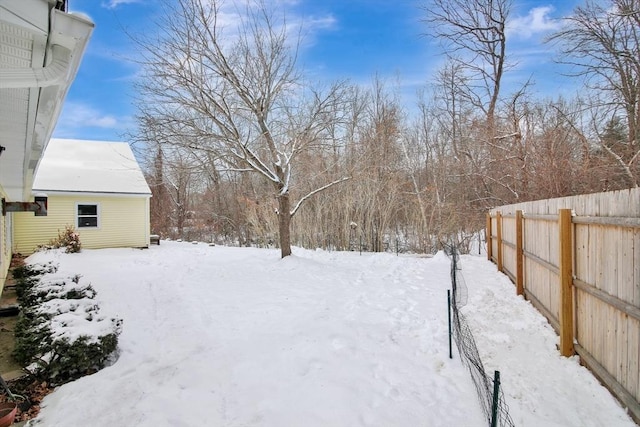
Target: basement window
87	215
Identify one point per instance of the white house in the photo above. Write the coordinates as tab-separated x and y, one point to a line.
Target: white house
42	46
97	188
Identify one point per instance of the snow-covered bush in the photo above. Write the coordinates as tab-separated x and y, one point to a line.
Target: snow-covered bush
61	334
28	275
67	238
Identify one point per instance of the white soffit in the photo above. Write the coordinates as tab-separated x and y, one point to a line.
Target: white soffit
37	66
32	15
20	48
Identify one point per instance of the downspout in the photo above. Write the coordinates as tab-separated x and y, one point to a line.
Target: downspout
51	75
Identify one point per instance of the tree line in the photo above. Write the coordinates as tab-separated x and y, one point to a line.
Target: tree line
241	148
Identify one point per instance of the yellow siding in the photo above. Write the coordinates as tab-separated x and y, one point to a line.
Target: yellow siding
123	222
5	244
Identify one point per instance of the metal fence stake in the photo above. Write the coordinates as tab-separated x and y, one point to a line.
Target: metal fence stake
450	332
496	399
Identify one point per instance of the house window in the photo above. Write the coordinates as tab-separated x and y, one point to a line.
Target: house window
87	216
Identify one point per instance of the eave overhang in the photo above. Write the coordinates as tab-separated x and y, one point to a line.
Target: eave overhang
40	52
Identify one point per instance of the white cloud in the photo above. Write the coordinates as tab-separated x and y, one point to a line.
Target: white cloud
112	4
322	23
311	27
87	116
234	14
538	20
79	119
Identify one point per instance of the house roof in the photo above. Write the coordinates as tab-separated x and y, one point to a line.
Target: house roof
70	165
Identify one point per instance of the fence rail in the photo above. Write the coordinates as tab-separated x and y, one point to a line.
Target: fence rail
577	259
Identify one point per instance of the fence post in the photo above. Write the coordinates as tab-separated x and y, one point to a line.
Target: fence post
519	255
450	330
488	238
566	283
499	239
496	399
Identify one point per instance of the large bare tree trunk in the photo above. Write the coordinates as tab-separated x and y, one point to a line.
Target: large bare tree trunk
284	223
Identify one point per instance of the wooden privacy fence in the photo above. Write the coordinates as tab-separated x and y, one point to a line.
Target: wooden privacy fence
577	259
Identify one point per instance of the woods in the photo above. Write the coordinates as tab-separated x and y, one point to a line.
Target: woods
242	147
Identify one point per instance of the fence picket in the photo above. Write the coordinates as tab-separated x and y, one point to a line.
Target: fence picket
599	249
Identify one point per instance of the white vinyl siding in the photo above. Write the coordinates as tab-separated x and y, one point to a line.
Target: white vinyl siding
123	222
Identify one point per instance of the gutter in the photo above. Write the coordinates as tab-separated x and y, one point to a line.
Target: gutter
69	34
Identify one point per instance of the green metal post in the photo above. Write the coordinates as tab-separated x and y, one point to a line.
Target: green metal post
450	332
496	399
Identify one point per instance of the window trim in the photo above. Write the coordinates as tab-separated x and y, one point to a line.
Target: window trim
78	216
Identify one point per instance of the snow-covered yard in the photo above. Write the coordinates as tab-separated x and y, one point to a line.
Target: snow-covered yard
219	336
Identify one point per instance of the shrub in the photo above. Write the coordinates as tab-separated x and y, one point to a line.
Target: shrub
68	239
27	276
61	334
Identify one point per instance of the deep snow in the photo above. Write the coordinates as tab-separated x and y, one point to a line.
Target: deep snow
221	336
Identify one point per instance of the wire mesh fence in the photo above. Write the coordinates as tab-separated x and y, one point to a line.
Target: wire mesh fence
488	389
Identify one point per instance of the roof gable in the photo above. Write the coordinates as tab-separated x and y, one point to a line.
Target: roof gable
71	165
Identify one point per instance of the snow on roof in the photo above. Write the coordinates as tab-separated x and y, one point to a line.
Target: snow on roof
71	165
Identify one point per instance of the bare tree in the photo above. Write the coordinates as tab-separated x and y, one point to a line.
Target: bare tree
478	122
602	42
474	37
227	83
160	203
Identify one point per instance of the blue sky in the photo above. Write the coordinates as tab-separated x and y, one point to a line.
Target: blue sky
353	39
